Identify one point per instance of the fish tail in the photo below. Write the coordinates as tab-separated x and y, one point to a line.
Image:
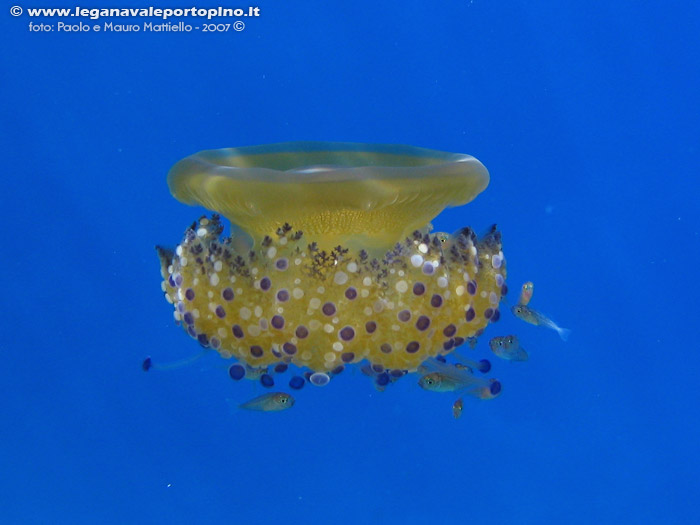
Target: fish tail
564	333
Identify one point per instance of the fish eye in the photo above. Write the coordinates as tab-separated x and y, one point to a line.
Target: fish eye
283	400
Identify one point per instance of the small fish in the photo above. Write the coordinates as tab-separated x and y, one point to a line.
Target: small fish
526	293
270	402
444	377
508	347
457	408
538	319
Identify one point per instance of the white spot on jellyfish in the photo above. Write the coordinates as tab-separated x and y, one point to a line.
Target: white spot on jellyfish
328	328
423	248
314	325
442	282
340	278
367	281
499	279
493	298
214	279
320	378
183	261
223	333
283	241
416	260
315	303
162	286
297	261
178	251
496	261
254	330
201	232
176	315
297	293
254	271
329	356
364	292
401	286
367	310
321	289
338	346
306	355
271	252
459	290
258	311
244	313
483	294
352	267
210	294
195	313
218	266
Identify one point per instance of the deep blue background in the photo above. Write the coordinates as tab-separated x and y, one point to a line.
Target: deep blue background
586	117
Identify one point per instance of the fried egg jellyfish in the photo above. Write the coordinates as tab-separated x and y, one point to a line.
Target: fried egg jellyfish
331	260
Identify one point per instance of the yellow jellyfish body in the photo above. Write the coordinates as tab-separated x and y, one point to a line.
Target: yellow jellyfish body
336	264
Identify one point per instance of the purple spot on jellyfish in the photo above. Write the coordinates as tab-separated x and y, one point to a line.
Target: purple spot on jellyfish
220	312
436	301
256	351
347	333
328	309
281	264
236	372
237	331
215	343
277	321
428	269
470	315
419	289
370	326
203	339
404	316
296	383
412	347
383	379
488	313
289	348
347	357
351	293
386	348
423	323
265	284
227	294
188	318
171	281
189	294
450	330
471	287
178	279
496	315
283	296
459	341
301	332
281	368
447	345
376	367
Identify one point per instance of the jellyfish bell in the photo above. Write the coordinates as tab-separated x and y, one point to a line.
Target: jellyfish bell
355	195
331	261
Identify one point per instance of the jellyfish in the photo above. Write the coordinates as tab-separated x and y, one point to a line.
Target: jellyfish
331	260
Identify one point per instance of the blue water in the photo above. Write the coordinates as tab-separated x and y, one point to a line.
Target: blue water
587	119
